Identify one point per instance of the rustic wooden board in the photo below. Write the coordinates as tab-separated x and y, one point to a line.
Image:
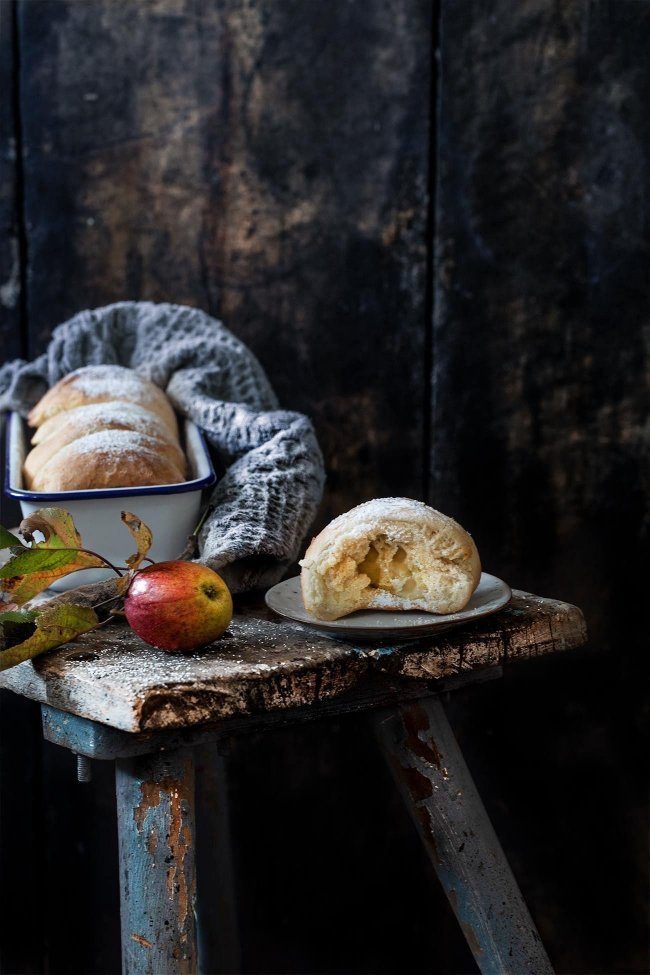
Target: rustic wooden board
11	317
267	162
540	386
21	837
539	407
541	290
265	665
13	327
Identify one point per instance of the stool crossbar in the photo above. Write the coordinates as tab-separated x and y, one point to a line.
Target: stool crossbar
163	720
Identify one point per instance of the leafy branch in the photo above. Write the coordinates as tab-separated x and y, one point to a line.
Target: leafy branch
49	548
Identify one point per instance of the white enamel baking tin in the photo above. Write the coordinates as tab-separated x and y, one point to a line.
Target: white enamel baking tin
170	510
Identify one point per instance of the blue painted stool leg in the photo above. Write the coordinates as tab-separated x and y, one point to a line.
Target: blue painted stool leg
440	794
155	808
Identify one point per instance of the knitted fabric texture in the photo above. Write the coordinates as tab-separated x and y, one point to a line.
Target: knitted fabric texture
273	480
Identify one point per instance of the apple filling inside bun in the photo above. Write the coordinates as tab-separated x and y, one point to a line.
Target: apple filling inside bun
390	554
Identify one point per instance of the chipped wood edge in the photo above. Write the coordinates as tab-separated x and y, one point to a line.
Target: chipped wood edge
539	634
530	627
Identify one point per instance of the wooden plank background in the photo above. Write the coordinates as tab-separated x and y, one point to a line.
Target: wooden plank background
443	260
267	162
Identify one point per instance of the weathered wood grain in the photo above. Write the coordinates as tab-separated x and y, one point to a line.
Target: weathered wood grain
541	280
540	397
12	318
267	162
87	738
156	827
432	775
531	626
261	666
21	839
540	384
10	192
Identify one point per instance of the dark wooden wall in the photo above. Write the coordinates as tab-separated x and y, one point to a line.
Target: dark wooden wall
267	162
443	260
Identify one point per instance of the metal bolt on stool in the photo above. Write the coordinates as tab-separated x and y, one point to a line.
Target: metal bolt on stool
84	769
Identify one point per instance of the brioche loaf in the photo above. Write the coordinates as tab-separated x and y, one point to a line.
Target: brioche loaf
129	416
103	427
389	554
100	384
73	424
108	459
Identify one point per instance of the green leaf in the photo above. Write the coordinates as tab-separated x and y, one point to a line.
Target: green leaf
28	560
55	524
31	570
7	540
142	535
54	626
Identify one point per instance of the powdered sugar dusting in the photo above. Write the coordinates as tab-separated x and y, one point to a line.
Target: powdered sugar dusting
113	443
364	516
387	508
112	382
114	414
115	458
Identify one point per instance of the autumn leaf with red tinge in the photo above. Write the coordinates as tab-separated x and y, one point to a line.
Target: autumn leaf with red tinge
32	569
143	538
46	548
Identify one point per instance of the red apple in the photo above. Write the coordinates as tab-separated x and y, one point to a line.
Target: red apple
178	606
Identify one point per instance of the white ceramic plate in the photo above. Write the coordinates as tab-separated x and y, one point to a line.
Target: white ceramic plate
491	595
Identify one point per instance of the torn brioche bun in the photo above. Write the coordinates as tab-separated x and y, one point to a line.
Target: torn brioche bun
101	384
109	459
84	420
389	554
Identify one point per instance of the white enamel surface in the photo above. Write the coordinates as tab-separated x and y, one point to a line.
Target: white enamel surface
490	595
171	517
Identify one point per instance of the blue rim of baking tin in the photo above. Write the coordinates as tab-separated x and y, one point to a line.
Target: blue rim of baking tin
96	493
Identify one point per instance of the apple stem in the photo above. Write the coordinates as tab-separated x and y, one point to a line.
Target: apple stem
119	572
97	626
111	599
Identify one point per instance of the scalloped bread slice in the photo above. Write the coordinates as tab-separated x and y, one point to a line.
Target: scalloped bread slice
389	554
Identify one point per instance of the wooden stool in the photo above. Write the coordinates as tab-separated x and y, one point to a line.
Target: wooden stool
107	696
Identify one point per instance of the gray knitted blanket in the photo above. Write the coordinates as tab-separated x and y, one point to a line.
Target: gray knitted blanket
266	500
